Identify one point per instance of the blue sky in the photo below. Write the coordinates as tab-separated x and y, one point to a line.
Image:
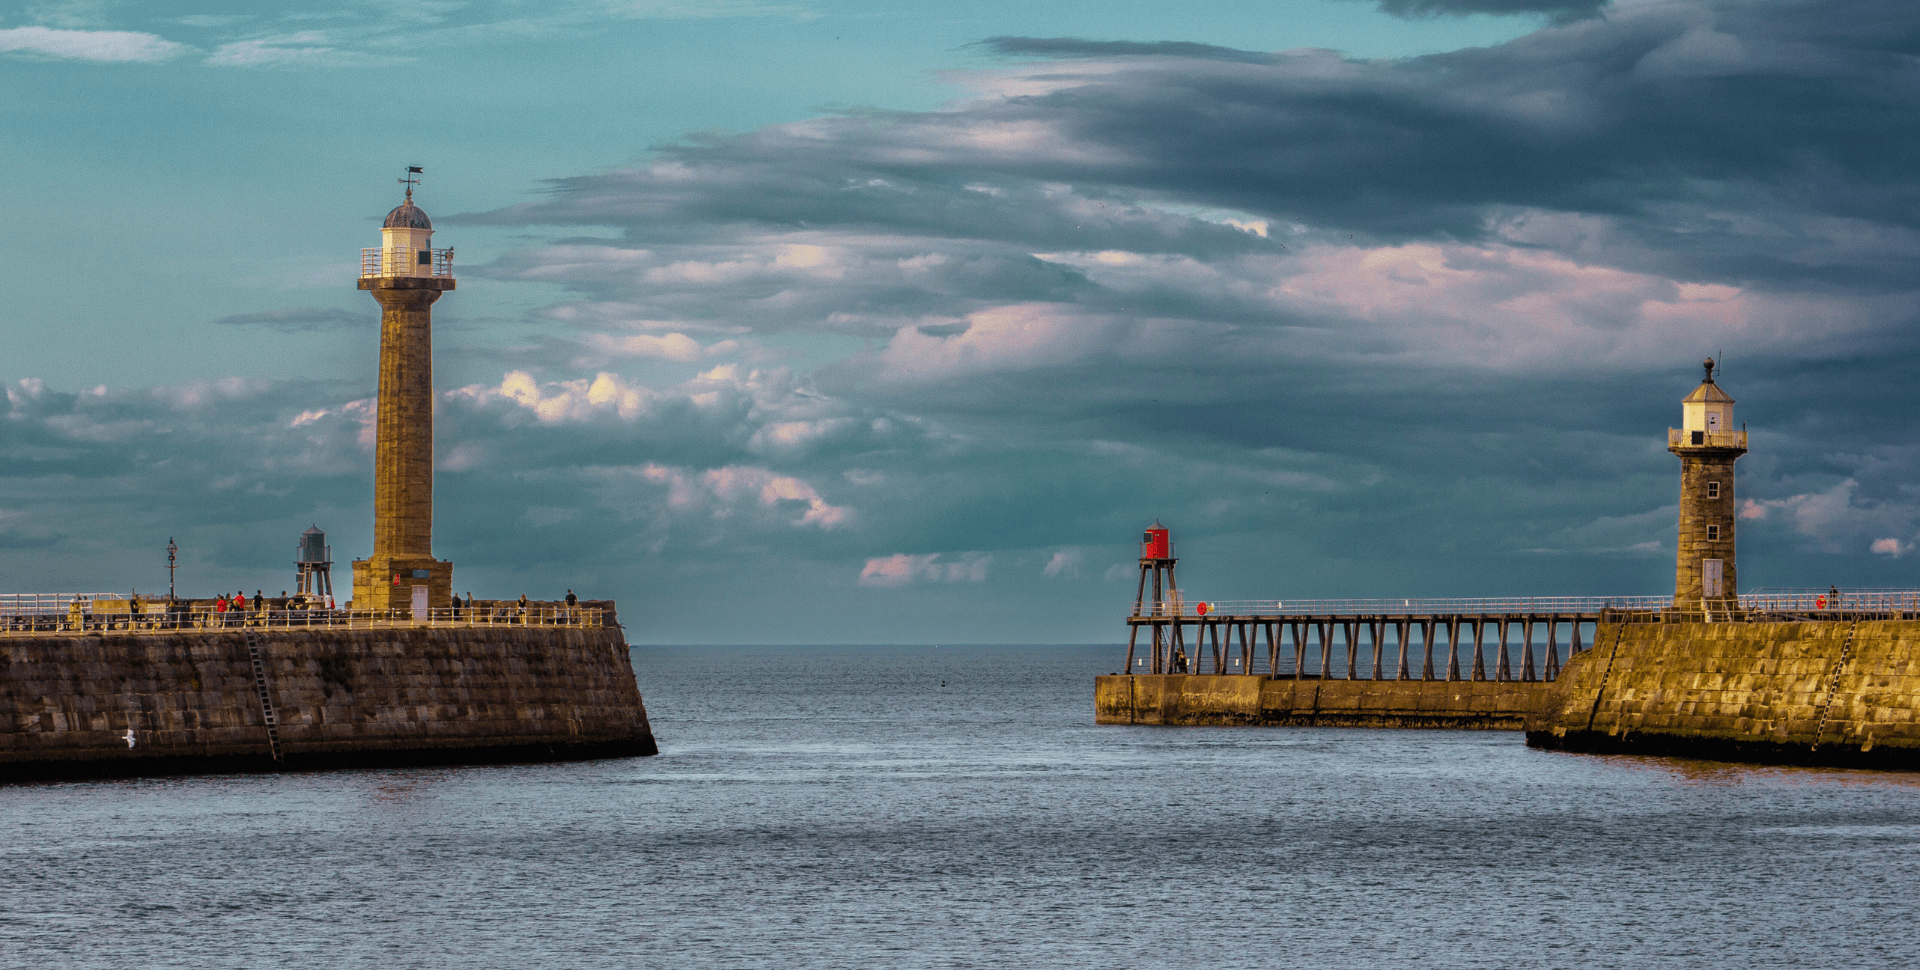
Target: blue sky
895	322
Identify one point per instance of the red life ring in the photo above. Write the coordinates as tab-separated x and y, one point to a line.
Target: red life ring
1820	602
1202	609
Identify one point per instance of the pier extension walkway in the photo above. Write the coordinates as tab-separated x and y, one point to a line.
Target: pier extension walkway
1455	663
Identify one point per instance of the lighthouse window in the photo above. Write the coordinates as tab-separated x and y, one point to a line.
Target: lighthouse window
1713	489
426	257
1713	533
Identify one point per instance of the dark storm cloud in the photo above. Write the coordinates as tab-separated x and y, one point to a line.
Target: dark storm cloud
1753	141
1385	315
1384	327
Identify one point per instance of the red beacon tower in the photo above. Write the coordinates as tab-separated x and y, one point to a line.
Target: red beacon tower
1157	544
1156	561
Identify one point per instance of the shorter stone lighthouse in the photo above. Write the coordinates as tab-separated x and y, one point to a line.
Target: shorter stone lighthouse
1707	445
406	274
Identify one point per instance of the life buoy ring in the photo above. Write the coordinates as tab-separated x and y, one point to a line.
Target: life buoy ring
1202	609
1820	602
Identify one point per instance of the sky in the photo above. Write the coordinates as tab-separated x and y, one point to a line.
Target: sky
896	322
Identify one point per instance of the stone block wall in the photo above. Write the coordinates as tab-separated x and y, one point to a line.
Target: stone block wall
1230	699
343	698
1829	692
1700	467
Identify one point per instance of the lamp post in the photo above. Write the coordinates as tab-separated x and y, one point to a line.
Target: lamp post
172	552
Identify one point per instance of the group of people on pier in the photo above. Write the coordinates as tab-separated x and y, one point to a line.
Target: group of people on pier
85	613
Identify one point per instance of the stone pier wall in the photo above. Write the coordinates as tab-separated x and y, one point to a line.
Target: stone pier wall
343	699
1230	699
1831	692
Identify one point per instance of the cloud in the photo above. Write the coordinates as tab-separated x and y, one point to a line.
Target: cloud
301	320
305	49
1065	562
1560	11
1891	547
902	568
673	346
1076	47
1837	518
720	491
1407	326
90	45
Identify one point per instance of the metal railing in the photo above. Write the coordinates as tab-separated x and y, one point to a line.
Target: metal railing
1827	600
1678	438
38	603
1758	603
155	617
1511	605
381	261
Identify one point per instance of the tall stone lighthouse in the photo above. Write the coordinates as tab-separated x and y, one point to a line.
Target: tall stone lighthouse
1707	445
406	274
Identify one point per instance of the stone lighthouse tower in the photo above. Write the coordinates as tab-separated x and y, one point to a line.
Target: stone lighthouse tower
406	274
1707	445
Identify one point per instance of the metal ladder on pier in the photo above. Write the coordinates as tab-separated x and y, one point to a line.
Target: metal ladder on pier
1833	683
266	697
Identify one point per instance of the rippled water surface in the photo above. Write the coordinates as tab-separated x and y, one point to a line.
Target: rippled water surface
956	807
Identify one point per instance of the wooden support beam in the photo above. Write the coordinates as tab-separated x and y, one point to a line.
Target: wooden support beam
1501	671
1552	671
1428	627
1348	628
1324	628
1479	658
1403	627
1526	649
1377	632
1453	647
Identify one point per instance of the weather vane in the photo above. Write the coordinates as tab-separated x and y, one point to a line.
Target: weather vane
410	181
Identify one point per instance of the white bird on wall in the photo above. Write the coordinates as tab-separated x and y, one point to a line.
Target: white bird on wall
129	737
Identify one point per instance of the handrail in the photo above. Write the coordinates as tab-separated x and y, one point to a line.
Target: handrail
1401	607
382	261
49	602
1179	606
155	618
1685	438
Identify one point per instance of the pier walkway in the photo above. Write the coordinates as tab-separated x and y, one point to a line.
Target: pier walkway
1510	639
40	614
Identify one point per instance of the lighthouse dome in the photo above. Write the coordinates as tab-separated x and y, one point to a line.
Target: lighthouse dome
407	216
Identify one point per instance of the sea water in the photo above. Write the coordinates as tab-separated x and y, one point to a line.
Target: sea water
957	807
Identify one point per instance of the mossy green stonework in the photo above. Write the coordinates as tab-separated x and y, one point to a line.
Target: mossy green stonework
1239	699
1828	692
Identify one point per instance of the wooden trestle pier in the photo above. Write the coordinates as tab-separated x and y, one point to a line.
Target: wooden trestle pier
1443	640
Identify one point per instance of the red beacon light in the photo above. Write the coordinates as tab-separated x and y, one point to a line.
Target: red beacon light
1157	544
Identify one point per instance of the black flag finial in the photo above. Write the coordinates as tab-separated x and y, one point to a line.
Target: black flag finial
410	181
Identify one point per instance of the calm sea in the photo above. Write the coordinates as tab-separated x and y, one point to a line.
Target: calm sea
956	807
